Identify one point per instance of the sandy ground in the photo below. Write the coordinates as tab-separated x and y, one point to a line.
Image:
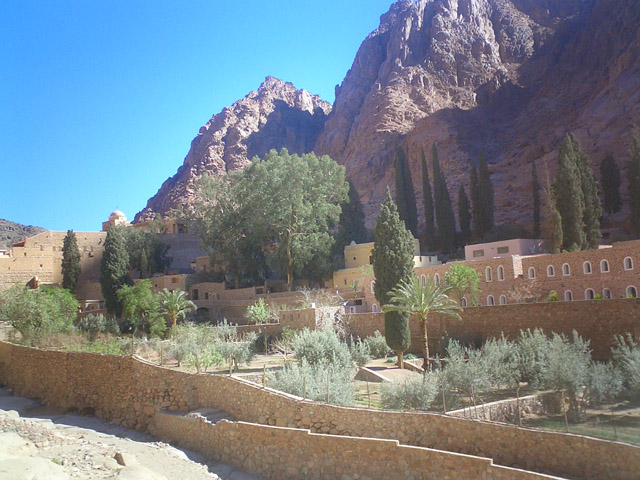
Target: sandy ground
39	443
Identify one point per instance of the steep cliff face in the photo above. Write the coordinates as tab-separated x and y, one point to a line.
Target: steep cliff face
11	233
505	78
277	115
502	78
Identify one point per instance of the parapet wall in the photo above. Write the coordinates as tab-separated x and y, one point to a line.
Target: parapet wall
596	320
130	392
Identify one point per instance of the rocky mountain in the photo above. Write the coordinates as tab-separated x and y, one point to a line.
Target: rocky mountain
502	78
277	115
11	233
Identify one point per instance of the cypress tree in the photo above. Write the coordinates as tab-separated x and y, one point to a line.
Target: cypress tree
633	177
464	216
114	270
553	225
476	202
442	203
592	204
70	261
392	264
430	230
486	195
405	193
535	185
610	180
569	198
351	223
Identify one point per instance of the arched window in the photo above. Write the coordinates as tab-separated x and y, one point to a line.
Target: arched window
423	280
463	302
373	286
436	279
500	273
488	275
503	300
568	296
566	269
604	266
606	293
374	308
628	263
551	272
490	301
589	294
532	273
586	268
632	292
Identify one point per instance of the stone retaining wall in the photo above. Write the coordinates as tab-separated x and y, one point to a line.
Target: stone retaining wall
129	392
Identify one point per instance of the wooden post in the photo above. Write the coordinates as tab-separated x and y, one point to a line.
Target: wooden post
264	374
161	353
518	405
368	394
444	401
132	344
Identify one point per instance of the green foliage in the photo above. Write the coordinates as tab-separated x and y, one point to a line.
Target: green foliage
114	270
405	193
113	346
415	393
237	350
377	345
277	211
318	346
259	313
465	371
138	306
482	198
427	199
38	313
552	230
604	383
463	281
464	216
633	180
70	261
98	323
195	345
626	357
316	382
175	305
611	181
360	353
532	356
392	264
351	223
442	205
147	254
536	187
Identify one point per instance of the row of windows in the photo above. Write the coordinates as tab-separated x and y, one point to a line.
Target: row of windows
589	294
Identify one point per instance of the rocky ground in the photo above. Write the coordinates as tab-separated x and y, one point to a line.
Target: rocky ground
39	443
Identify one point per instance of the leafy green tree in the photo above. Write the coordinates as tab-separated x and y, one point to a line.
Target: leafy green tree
38	313
139	305
70	261
611	181
553	225
442	204
147	254
114	270
535	186
462	281
351	223
413	298
392	264
633	179
486	196
175	305
475	200
592	204
427	196
569	198
405	193
464	216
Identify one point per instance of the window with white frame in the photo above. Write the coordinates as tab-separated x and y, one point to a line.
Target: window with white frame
488	274
628	263
586	268
606	293
551	272
374	308
589	294
423	280
568	296
463	302
632	292
436	279
490	301
500	273
604	266
373	286
503	299
532	273
566	269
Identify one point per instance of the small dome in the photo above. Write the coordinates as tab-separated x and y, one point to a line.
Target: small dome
117	214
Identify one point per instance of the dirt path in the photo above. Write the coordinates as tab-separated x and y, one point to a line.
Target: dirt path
38	443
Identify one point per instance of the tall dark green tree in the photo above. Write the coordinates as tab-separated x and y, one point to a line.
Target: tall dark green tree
405	193
569	198
590	193
427	196
392	264
553	223
114	270
70	261
535	186
442	205
633	178
464	216
351	224
611	181
475	199
482	198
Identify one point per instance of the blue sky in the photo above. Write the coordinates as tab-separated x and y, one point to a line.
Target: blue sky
99	100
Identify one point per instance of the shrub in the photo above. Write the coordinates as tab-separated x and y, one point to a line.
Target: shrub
315	380
97	323
466	371
604	383
360	353
113	346
500	358
415	393
321	346
626	356
377	345
237	351
533	349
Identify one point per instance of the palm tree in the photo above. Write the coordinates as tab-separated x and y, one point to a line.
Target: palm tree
174	304
422	300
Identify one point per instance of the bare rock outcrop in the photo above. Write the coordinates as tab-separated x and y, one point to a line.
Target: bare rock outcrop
277	115
11	233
